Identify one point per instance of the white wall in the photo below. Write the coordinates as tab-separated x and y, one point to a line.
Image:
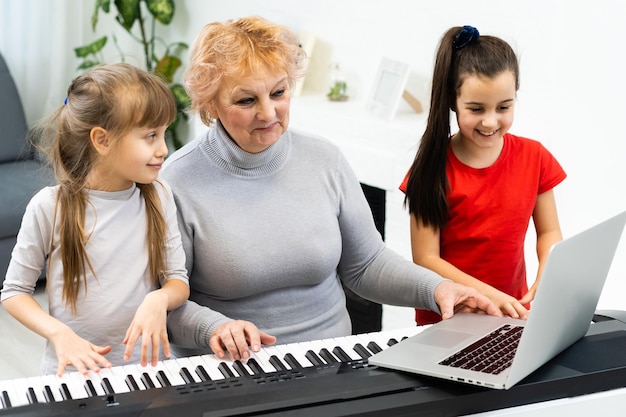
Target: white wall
572	86
571	91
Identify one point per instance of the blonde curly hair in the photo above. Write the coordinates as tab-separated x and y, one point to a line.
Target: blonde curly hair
238	48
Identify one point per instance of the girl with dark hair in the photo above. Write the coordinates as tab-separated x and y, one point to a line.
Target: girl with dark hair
471	194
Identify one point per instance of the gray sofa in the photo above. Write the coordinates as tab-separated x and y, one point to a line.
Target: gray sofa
21	175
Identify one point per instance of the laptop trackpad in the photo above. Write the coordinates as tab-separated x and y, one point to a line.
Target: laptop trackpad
444	338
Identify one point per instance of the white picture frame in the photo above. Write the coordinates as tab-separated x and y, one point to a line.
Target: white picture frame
388	88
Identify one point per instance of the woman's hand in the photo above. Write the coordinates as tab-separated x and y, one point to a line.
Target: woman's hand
238	337
453	298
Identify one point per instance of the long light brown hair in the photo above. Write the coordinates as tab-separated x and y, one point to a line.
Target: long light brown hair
117	98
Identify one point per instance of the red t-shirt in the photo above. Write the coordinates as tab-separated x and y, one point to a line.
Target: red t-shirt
490	209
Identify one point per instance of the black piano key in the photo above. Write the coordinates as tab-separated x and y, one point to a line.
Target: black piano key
362	351
313	358
373	346
341	354
391	342
225	370
48	395
255	367
163	380
6	401
327	356
65	392
240	368
31	396
132	383
186	376
107	387
292	361
277	363
147	381
202	373
91	390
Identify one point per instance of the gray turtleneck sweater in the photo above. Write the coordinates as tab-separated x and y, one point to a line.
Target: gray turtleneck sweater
269	236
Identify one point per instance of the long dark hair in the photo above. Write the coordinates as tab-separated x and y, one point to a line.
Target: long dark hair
428	184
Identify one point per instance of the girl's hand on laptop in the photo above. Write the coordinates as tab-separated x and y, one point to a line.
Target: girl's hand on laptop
530	295
508	305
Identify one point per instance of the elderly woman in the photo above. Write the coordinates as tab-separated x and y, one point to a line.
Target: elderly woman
274	220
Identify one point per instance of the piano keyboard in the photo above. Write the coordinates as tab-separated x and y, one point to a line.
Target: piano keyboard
279	361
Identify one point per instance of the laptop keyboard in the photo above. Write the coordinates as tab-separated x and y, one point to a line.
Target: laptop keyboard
492	354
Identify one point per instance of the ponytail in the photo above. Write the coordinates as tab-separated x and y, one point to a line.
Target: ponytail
462	52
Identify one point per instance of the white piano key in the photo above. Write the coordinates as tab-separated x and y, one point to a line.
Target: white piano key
257	366
117	378
172	370
379	339
189	365
210	368
351	341
298	352
96	381
54	383
133	370
348	346
315	346
151	371
280	351
75	391
212	363
241	368
327	354
78	381
20	387
10	390
230	362
263	359
274	351
385	337
227	364
195	362
37	384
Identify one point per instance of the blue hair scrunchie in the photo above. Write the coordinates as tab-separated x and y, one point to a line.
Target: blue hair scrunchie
465	36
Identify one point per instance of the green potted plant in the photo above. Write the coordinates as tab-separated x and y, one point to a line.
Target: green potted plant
140	18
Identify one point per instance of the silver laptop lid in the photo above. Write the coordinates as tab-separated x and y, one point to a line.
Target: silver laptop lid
566	299
578	267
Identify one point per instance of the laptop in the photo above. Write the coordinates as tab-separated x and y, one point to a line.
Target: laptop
561	313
